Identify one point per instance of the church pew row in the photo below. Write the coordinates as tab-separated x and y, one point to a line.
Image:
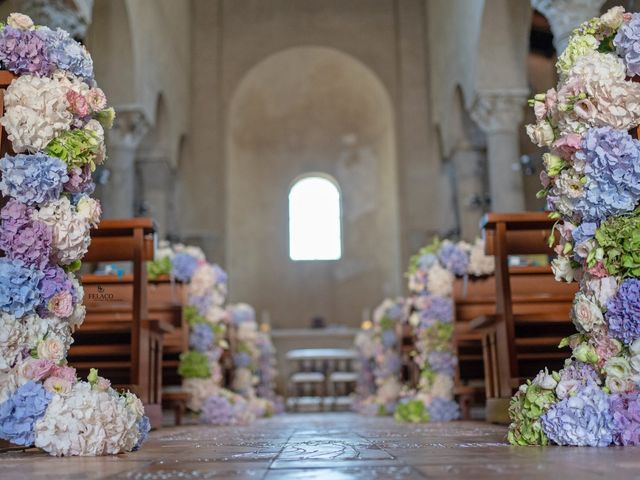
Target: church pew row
118	336
531	309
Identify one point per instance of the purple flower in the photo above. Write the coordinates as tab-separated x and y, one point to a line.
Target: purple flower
54	280
583	232
80	181
241	359
32	179
217	410
20	412
626	417
443	410
436	309
24	51
623	311
442	362
67	54
183	266
390	365
453	258
583	372
202	303
22	238
221	275
610	162
627	43
583	419
144	427
201	337
388	338
19	294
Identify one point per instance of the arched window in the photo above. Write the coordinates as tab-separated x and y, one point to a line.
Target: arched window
315	231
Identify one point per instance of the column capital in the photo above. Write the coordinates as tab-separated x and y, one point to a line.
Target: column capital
74	16
500	110
564	16
129	127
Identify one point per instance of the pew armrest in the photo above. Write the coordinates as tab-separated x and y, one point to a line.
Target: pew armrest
160	326
483	322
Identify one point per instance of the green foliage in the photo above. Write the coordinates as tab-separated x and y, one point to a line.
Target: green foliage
412	411
76	148
429	249
157	268
192	316
619	239
194	365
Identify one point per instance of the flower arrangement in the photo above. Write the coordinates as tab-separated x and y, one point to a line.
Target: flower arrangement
381	360
431	275
267	373
591	182
54	115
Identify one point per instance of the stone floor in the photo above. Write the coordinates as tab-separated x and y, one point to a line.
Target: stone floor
332	446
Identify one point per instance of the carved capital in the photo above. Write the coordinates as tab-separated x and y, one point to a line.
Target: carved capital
129	127
564	16
499	111
74	16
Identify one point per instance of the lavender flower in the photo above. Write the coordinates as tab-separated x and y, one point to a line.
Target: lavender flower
32	179
144	427
580	420
626	417
623	311
201	337
22	238
24	52
627	43
217	410
220	274
67	54
241	360
443	410
19	293
54	280
390	365
610	162
80	181
388	338
442	362
202	303
183	266
20	412
436	309
453	258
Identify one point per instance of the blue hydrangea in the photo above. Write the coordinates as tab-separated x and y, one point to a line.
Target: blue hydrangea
32	179
19	294
183	266
453	258
241	359
583	232
582	420
627	43
395	311
67	54
201	337
388	338
202	303
217	410
144	427
390	365
20	412
443	410
611	167
221	275
623	311
438	309
426	261
442	362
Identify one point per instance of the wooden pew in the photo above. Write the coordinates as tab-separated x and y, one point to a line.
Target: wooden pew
531	309
118	335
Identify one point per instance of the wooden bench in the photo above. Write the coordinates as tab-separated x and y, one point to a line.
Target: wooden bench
531	309
119	337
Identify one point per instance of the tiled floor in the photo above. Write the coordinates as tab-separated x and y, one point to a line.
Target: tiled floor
332	446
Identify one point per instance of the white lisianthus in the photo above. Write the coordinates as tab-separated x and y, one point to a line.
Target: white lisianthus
440	281
613	18
545	380
562	269
601	289
541	133
89	209
585	314
618	367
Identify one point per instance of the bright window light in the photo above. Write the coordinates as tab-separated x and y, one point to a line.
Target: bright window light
314	220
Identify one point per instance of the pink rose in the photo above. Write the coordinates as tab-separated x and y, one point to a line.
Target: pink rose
38	369
61	304
67	373
551	99
567	145
77	103
96	99
606	347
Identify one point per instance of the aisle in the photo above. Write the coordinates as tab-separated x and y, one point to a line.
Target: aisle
331	447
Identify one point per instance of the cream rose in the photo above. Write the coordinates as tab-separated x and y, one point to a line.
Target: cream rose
585	314
52	349
20	21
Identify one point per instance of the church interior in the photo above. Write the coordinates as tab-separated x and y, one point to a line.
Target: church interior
319	239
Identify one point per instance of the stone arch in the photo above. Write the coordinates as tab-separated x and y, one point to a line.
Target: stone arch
329	114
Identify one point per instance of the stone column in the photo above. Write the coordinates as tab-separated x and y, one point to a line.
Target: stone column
564	16
74	16
123	139
499	115
470	189
155	196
